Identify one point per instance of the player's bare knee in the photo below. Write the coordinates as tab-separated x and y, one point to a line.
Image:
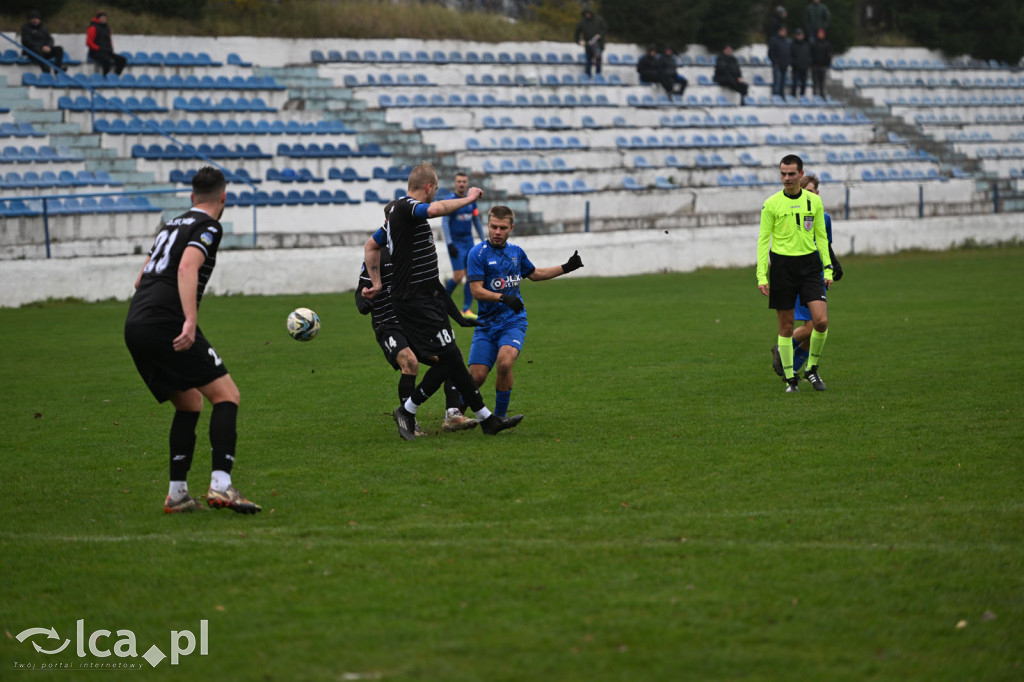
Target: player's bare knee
821	325
407	361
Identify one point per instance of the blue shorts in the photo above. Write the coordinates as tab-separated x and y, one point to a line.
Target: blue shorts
800	311
459	261
487	341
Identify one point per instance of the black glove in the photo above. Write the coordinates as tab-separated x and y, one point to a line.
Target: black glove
453	250
837	269
574	263
466	322
513	302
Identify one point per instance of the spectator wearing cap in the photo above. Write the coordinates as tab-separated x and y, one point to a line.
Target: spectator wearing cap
99	39
728	74
39	44
800	61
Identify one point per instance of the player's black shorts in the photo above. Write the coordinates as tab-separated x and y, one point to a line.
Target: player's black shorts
789	276
425	322
391	340
162	368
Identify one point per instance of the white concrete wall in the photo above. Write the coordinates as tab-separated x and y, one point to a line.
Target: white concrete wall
605	254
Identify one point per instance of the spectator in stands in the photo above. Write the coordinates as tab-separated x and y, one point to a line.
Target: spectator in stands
99	40
649	68
800	60
816	16
821	60
660	69
590	33
779	56
776	21
37	38
727	73
676	81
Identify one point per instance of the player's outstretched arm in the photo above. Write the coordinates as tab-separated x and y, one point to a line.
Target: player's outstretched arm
447	206
540	274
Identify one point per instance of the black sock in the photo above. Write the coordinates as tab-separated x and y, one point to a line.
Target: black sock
406	385
183	443
223	435
452	397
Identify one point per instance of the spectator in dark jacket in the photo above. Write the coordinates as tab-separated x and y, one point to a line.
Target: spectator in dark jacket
727	72
37	38
800	60
590	32
649	68
676	81
821	60
816	16
99	40
776	21
779	56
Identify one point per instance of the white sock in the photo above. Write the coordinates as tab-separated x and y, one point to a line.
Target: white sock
483	413
220	481
177	490
410	406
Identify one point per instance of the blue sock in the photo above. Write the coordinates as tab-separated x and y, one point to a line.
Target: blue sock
450	285
799	357
467	298
501	400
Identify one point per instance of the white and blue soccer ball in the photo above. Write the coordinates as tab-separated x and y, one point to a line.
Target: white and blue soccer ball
303	324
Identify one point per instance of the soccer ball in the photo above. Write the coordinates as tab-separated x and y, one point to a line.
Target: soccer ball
303	324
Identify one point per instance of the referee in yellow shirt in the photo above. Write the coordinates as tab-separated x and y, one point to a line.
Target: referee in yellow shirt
794	242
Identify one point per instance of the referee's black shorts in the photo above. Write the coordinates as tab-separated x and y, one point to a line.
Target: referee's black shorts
165	370
425	323
790	276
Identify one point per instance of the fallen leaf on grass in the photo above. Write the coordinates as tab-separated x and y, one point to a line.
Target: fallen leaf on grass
961	624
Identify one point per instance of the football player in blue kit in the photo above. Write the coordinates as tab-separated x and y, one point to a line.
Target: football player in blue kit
495	269
801	313
458	234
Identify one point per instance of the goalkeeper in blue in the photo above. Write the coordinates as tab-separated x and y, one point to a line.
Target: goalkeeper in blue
458	235
495	269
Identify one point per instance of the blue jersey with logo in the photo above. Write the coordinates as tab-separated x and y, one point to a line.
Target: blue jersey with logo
501	270
458	226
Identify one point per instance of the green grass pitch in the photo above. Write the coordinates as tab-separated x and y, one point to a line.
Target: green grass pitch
664	511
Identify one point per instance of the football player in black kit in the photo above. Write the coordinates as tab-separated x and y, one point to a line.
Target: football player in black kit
418	298
172	355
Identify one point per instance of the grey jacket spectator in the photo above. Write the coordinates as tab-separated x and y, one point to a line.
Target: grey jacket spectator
816	16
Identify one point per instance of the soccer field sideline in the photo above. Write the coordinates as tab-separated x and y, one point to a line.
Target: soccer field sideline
607	254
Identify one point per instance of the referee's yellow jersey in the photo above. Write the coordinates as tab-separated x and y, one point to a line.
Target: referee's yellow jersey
791	227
